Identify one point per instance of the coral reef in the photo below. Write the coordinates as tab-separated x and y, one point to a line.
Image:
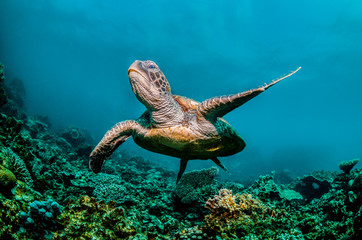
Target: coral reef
48	192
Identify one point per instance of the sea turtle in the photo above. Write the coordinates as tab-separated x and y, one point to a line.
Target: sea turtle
174	125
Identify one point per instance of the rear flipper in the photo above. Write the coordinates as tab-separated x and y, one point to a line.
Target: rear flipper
110	142
183	164
217	161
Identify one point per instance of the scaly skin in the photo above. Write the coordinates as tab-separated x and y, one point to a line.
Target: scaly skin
175	125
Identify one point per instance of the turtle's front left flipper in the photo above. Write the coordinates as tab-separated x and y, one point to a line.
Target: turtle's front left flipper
110	142
219	106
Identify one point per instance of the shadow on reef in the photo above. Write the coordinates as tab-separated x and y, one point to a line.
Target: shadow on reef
48	192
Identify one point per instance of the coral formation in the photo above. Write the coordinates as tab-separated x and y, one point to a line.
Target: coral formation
40	220
88	219
240	216
346	166
12	161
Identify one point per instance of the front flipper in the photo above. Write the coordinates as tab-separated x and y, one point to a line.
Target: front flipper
219	106
110	142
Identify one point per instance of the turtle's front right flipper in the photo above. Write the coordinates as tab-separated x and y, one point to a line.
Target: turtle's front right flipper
110	142
219	106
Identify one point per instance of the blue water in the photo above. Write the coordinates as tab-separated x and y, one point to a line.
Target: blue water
73	57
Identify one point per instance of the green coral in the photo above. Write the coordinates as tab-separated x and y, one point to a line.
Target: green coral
12	161
196	187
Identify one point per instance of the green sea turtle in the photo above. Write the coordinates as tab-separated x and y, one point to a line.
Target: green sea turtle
174	125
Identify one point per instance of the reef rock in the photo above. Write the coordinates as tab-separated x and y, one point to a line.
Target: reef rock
314	185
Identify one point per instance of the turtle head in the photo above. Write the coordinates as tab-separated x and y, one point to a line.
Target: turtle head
149	84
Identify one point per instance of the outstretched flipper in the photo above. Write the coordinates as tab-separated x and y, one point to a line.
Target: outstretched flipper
183	164
219	106
110	142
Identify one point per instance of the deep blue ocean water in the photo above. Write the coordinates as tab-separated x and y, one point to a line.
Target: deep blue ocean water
73	57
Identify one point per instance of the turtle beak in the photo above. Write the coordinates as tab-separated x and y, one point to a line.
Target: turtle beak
137	67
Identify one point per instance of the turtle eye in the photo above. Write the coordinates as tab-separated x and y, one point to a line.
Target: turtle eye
152	67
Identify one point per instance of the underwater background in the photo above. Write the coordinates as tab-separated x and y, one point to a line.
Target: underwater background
66	73
73	57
